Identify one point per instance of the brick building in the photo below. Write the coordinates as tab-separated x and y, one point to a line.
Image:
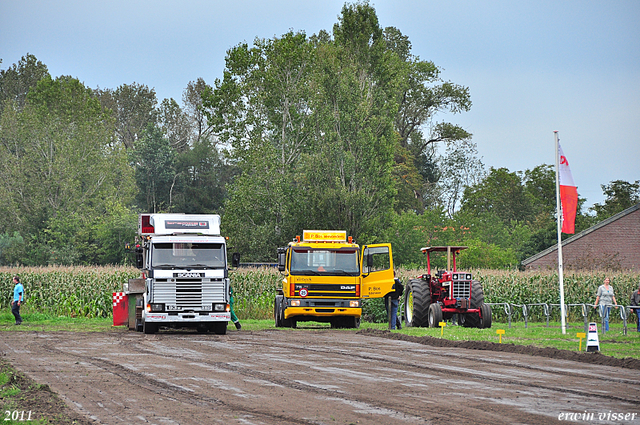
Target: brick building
612	244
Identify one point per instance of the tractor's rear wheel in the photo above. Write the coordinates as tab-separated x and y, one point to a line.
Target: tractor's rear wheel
435	315
472	320
417	298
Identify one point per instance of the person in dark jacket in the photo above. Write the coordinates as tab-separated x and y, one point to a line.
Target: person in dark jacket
394	297
635	300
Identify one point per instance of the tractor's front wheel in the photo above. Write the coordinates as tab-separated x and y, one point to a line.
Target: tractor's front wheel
435	315
417	298
485	320
472	320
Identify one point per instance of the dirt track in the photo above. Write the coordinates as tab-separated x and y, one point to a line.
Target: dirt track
311	377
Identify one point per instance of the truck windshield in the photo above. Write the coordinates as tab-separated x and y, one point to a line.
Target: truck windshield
188	255
332	262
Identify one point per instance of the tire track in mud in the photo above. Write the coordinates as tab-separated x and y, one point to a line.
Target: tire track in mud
296	385
395	362
173	392
466	374
302	346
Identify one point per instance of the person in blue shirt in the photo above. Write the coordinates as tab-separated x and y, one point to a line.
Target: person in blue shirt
18	296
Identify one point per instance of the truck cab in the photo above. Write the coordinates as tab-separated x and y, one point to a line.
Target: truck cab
327	276
184	266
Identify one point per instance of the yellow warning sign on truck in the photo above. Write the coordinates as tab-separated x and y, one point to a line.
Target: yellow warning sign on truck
324	236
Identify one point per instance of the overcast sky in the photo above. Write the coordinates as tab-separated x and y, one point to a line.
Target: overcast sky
532	67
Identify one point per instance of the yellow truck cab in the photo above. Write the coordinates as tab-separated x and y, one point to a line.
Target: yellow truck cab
326	277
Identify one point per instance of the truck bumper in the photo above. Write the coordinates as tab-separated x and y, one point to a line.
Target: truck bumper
291	312
187	317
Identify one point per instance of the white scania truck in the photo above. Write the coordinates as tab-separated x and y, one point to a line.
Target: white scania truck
184	266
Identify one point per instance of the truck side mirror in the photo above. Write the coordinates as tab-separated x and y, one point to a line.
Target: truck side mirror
235	260
282	259
139	257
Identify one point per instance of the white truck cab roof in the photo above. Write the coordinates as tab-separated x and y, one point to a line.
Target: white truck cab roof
179	224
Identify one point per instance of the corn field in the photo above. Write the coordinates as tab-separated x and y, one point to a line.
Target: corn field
67	291
530	287
254	290
87	291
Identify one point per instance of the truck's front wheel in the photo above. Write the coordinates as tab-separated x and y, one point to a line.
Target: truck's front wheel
277	305
149	328
220	328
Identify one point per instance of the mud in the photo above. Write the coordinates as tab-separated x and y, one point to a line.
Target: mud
35	401
307	376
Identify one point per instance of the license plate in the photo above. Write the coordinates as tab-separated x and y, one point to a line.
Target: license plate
172	307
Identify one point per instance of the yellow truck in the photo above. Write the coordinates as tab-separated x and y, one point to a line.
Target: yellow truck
327	276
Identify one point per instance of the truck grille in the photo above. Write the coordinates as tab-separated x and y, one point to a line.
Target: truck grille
189	293
461	289
327	290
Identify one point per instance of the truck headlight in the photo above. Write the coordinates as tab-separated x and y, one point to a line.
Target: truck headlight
354	304
157	307
295	303
218	307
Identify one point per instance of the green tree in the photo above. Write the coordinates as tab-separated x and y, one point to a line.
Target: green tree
350	179
261	111
59	167
540	186
18	79
422	95
410	231
620	196
155	175
459	168
176	125
203	176
501	193
134	107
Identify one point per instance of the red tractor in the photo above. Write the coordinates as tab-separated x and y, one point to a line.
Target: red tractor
430	299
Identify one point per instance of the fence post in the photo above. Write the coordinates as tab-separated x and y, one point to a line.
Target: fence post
623	315
546	312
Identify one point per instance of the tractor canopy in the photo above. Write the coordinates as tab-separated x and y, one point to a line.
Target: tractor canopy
448	249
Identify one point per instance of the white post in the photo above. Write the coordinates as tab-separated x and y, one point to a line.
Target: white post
559	213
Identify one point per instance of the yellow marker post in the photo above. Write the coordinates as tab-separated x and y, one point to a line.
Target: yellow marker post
581	335
500	332
442	325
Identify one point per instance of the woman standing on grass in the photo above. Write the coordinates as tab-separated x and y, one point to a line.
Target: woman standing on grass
605	299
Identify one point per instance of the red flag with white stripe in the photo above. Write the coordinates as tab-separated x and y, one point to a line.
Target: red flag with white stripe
568	194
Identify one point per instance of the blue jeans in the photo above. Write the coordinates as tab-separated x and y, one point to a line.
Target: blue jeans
604	312
394	311
637	311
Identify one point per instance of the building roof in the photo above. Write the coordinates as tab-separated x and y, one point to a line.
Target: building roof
582	234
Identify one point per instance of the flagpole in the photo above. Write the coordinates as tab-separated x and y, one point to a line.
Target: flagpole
559	214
